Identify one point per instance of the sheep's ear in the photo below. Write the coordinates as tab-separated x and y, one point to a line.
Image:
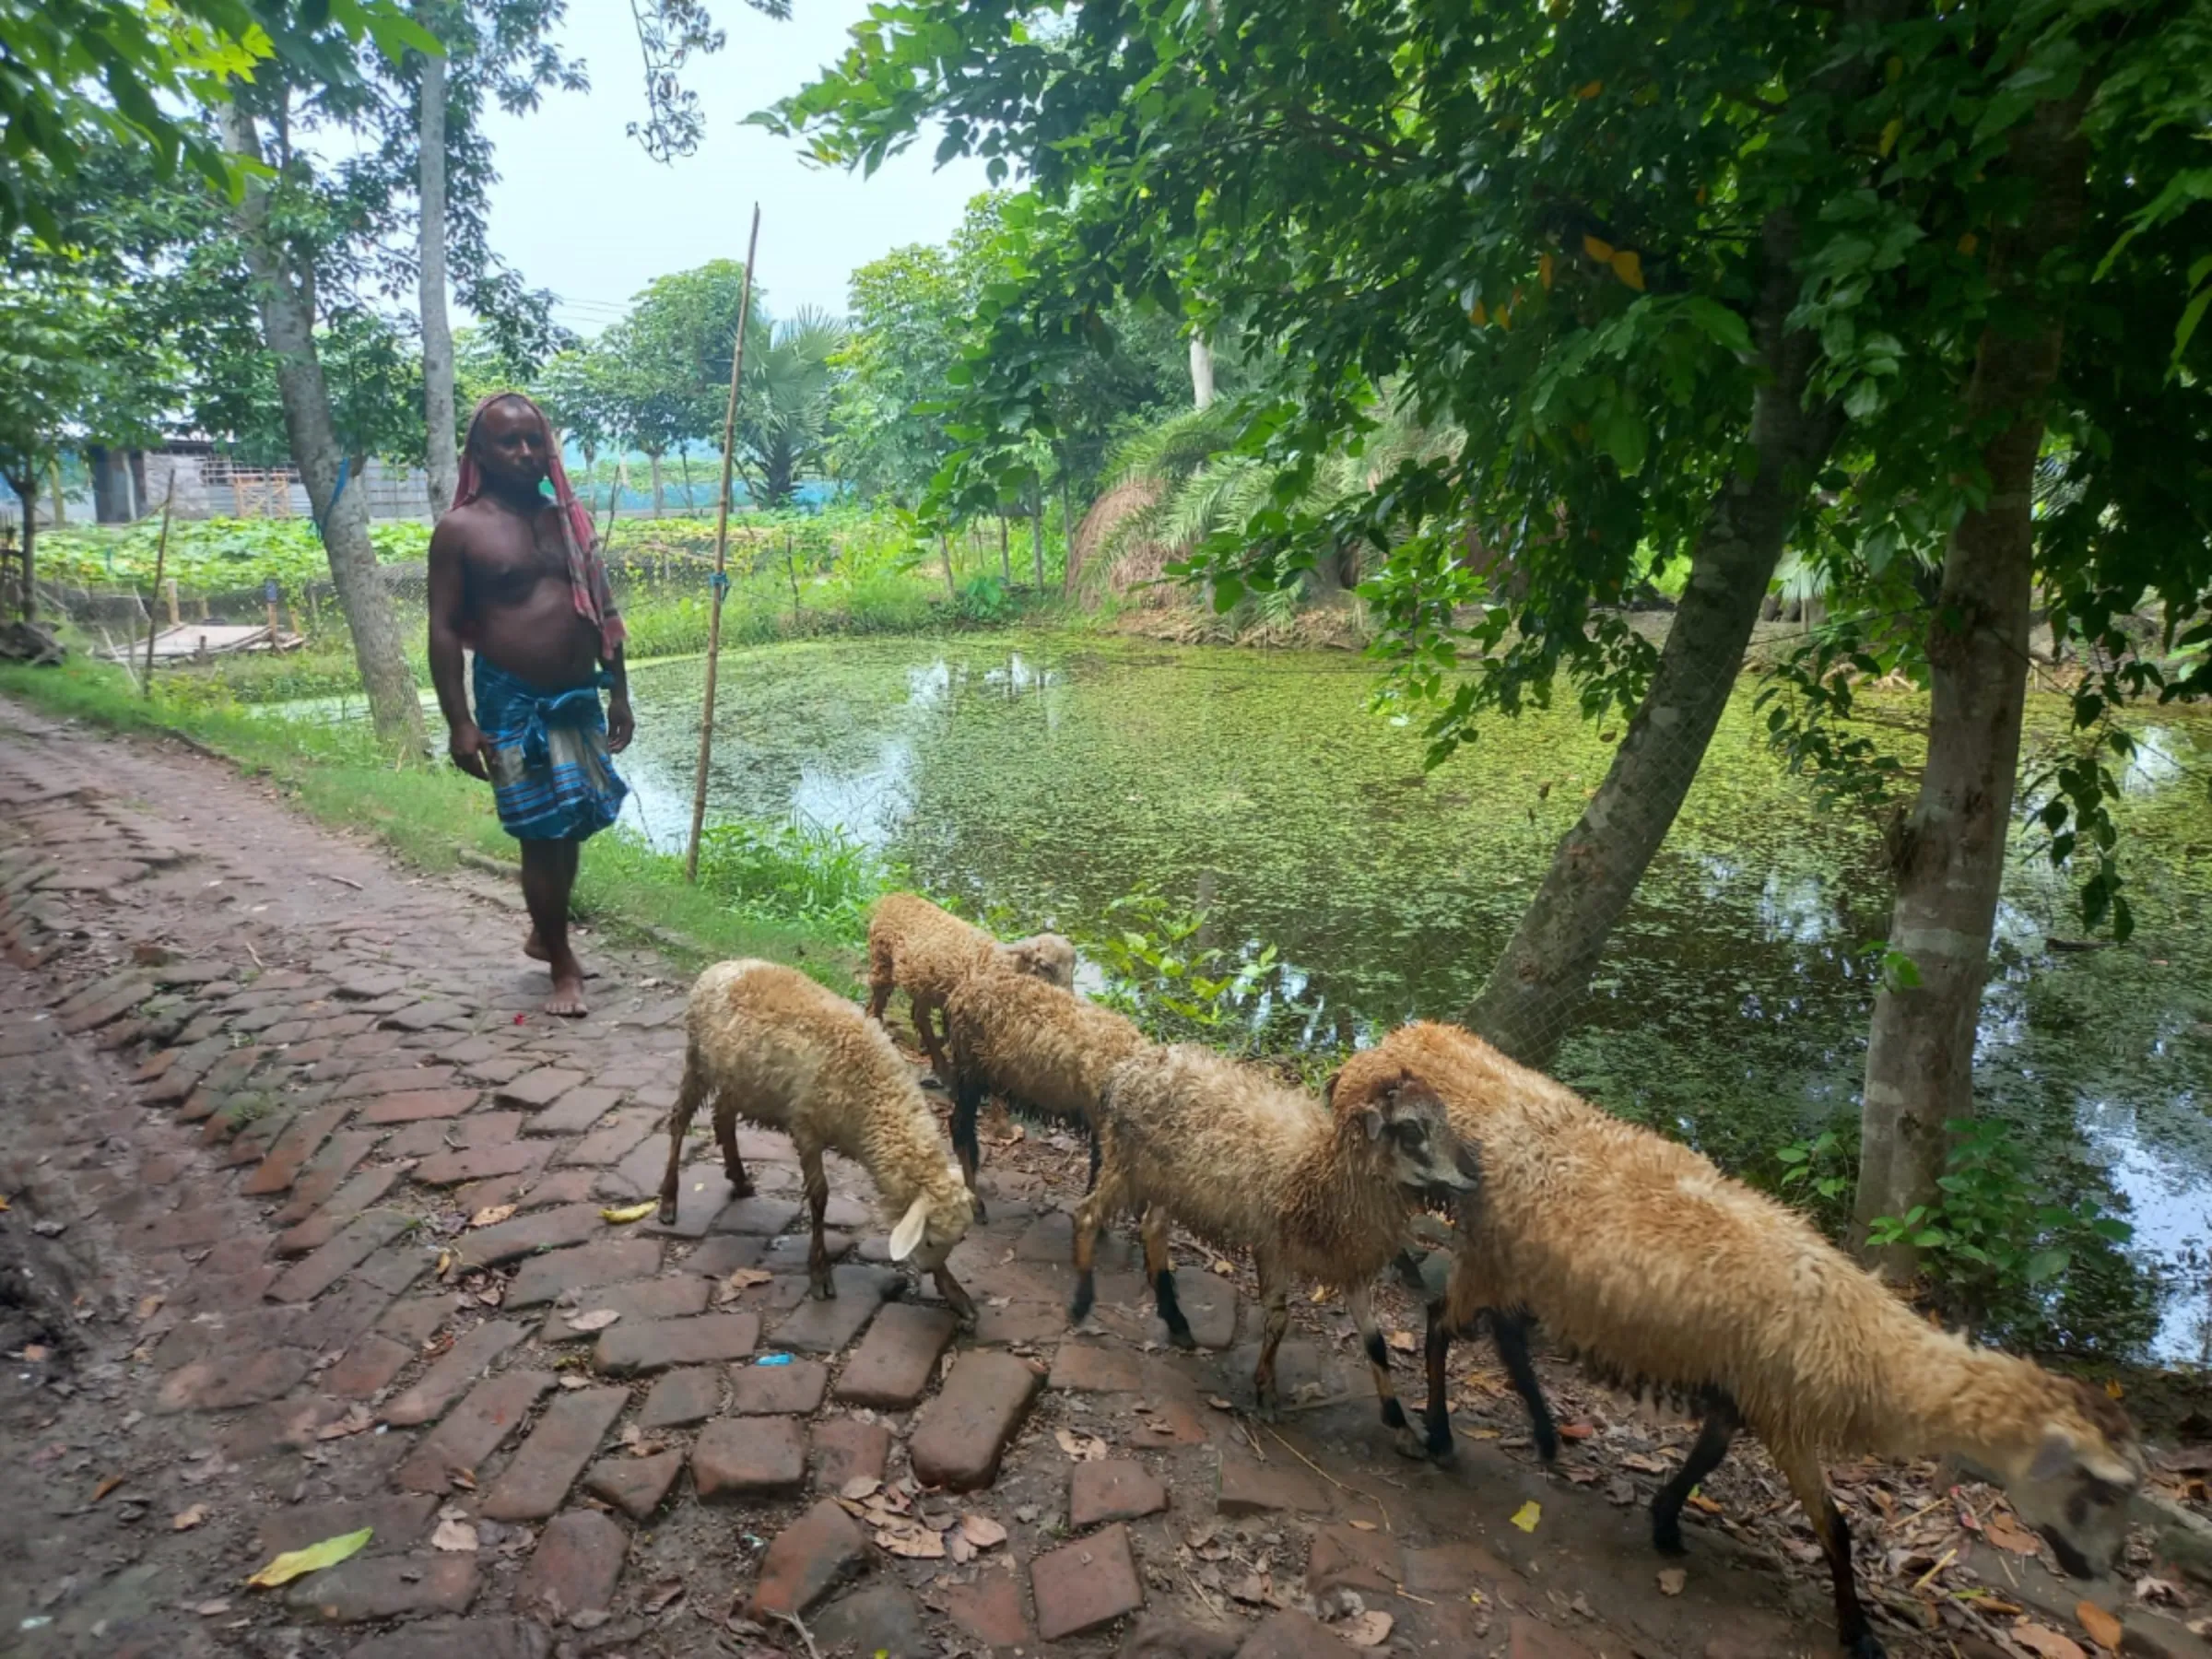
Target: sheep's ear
1373	1117
1328	1089
912	1225
2052	1458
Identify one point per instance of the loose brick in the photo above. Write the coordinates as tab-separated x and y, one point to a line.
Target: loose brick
396	1522
747	1458
422	1015
1120	1489
371	1587
847	1449
1346	1558
472	1430
1089	1367
338	1160
575	1565
540	1088
526	1235
609	1143
1085	1586
364	1235
989	1609
824	1327
367	1188
549	1277
673	1298
763	1212
959	1436
226	1383
414	1320
1254	1488
493	1067
298	1143
792	1390
681	1397
1293	1635
446	1382
536	1482
405	1079
417	1105
460	1638
810	1558
477	1163
655	1344
355	1040
368	1366
572	1113
635	1485
112	1007
723	1254
892	1366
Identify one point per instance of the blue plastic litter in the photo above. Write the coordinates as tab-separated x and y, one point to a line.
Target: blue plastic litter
773	1359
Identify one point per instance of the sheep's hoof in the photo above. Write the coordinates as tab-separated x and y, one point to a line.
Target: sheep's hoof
740	1187
823	1289
1868	1646
667	1216
1183	1339
1267	1408
1668	1539
982	1214
1410	1442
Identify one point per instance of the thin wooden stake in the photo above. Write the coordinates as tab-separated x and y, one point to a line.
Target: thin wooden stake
721	555
153	623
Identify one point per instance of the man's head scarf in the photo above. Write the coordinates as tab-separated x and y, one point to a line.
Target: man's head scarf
587	572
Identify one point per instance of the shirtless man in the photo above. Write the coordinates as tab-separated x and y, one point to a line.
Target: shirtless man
515	577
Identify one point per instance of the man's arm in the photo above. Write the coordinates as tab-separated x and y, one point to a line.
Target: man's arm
449	606
621	724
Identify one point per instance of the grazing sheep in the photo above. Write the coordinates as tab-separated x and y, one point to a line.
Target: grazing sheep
927	952
767	1043
1191	1136
1044	1050
1665	1277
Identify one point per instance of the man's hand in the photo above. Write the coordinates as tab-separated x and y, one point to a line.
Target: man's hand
620	726
469	751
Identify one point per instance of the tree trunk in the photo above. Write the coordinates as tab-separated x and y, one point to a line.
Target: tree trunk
655	459
1536	987
952	588
111	485
1949	858
1037	525
683	460
53	483
27	492
441	459
141	498
288	329
1005	556
1201	372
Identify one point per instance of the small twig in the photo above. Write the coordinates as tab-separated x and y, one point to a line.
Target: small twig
805	1635
1339	1485
1942	1561
257	955
1409	1595
343	880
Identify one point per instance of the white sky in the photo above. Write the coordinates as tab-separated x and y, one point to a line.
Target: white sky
580	208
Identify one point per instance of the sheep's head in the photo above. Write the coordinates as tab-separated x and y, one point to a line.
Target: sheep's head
1406	1121
933	1223
1045	956
2075	1483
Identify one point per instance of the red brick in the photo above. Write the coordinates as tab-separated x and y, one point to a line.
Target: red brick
575	1112
459	1639
653	1344
321	1176
229	1382
959	1436
477	1163
368	1366
446	1382
365	1189
536	1482
526	1235
892	1366
152	1066
112	1007
635	1485
1089	1367
989	1609
824	1327
355	1040
417	1105
847	1449
394	1080
808	1560
491	1068
540	1088
681	1397
371	1587
575	1566
1254	1488
1346	1556
414	1320
723	1254
792	1390
472	1430
466	1134
1120	1489
672	1298
547	1277
1530	1638
1085	1586
608	1144
736	1458
298	1143
396	1522
422	1015
364	1235
1292	1635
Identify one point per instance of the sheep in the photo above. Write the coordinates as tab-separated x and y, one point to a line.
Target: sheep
1046	1050
928	951
1665	1277
766	1041
1191	1136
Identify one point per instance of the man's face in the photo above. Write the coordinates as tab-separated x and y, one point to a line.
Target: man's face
512	446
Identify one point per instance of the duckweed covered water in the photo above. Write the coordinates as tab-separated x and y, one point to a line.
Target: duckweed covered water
1042	777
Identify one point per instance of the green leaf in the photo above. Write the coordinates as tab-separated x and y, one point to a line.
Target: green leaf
2047	1264
295	1563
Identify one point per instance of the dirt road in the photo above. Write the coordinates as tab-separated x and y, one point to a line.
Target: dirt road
255	1082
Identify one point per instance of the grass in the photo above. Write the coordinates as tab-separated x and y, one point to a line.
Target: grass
429	816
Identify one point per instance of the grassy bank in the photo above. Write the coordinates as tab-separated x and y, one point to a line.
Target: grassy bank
752	901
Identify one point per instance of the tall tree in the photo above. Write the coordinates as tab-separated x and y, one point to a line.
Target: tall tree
442	460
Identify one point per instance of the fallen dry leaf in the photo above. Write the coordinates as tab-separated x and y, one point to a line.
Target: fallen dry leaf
982	1531
1527	1515
2046	1643
356	1420
453	1536
107	1485
1704	1505
629	1213
746	1278
2002	1531
491	1217
1404	1342
860	1487
1369	1629
914	1543
35	1352
1083	1447
1363	1526
1576	1431
598	1319
2104	1629
148	1306
1256	1590
1671	1580
185	1519
293	1563
212	1609
1225	1269
2149	1589
445	1262
663	1594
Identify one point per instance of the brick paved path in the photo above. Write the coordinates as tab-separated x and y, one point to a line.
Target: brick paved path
254	1084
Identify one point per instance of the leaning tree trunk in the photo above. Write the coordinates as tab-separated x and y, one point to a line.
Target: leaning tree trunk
1201	371
1037	525
288	329
1949	858
1536	987
27	492
656	483
442	460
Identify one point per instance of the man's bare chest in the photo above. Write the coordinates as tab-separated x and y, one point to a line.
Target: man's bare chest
506	559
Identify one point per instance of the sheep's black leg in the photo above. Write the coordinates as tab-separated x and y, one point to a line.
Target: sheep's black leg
1713	1438
726	1132
1092	1184
819	1279
1275	1293
1086	1245
1160	1268
1809	1483
1362	1303
1408	1267
689	1097
1511	1333
1438	1414
926	1028
957	1299
967	1102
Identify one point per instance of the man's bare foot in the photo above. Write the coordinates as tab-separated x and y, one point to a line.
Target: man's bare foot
534	949
567	1000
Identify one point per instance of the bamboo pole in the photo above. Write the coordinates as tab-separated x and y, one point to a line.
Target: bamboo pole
153	622
721	555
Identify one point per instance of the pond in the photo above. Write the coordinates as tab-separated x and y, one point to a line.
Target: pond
1042	776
